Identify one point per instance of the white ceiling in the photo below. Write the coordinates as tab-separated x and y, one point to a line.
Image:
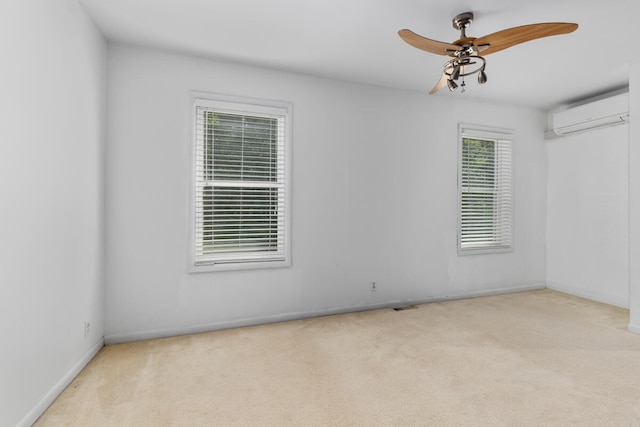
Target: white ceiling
356	40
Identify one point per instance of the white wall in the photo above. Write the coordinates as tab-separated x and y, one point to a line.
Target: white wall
374	198
634	197
588	215
53	83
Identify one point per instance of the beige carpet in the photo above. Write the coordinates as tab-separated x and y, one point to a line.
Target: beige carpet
535	358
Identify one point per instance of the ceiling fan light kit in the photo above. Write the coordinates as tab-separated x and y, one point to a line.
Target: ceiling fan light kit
468	53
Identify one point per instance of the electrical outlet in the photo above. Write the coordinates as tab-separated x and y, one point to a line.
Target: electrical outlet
87	329
373	286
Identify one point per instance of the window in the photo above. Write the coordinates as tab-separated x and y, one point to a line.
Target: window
241	185
484	190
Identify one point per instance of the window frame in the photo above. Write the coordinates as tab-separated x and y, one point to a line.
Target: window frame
247	107
488	133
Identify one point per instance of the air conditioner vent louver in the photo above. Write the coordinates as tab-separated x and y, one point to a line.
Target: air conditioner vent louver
604	112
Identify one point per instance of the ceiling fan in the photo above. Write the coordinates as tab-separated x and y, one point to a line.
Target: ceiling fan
468	53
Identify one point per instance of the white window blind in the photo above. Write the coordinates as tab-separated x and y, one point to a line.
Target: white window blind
485	191
240	184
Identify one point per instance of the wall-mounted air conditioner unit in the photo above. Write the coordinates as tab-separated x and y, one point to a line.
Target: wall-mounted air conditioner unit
604	112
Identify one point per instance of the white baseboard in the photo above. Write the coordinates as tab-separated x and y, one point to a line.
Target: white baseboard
48	399
594	296
164	333
634	328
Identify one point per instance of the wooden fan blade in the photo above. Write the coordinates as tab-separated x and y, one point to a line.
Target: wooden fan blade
442	83
432	46
513	36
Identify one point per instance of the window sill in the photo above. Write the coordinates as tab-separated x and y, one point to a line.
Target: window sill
237	266
483	251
